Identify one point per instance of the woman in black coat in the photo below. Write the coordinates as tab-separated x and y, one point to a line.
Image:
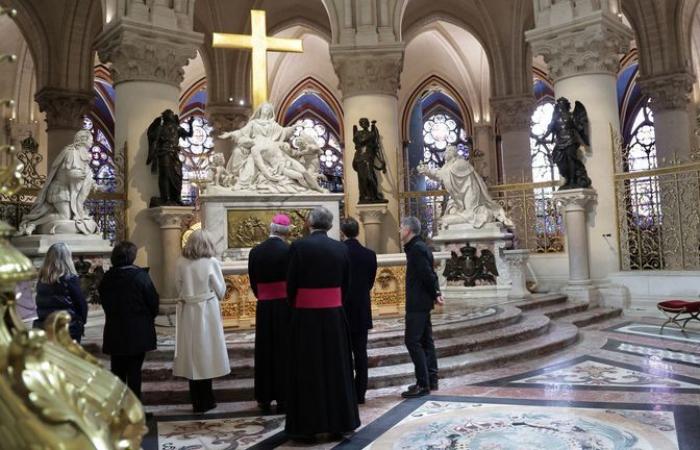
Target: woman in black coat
130	303
58	289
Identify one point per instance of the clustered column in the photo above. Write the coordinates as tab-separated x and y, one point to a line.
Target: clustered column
514	115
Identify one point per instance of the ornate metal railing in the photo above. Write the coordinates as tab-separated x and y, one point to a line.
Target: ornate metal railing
658	214
537	222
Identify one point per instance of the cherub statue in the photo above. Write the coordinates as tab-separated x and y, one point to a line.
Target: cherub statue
570	132
221	177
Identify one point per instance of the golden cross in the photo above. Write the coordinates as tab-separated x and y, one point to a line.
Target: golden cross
260	43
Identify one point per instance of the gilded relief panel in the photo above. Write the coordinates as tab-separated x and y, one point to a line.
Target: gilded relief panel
249	227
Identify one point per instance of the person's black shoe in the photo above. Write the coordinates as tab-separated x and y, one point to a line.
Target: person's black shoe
203	409
265	407
303	439
415	391
434	385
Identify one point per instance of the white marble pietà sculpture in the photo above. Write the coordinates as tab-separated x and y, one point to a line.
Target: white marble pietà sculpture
469	201
263	161
60	205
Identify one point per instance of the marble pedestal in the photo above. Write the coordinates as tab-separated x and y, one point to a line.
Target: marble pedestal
170	219
372	217
492	236
37	245
517	267
575	205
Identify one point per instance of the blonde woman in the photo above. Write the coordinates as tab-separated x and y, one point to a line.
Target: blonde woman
200	348
58	289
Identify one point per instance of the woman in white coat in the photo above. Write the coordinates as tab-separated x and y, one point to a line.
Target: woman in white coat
200	348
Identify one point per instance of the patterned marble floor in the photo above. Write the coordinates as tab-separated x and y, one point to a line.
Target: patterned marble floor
622	386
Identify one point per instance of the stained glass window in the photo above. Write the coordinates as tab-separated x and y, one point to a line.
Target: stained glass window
440	130
548	223
332	156
195	156
102	163
641	155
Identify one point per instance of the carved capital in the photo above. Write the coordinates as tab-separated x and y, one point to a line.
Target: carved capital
668	91
64	108
227	117
368	72
372	214
591	44
514	113
142	52
171	217
575	199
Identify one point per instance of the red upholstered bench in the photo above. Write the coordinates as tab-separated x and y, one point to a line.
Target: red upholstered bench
679	312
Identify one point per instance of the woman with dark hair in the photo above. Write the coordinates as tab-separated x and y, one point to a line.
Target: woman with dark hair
58	289
130	302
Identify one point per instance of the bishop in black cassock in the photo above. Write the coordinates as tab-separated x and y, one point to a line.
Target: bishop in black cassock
267	269
320	396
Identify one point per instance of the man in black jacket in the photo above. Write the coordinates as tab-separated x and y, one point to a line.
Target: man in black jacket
267	269
422	292
358	304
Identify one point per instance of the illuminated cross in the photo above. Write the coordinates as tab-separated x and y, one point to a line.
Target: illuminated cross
260	43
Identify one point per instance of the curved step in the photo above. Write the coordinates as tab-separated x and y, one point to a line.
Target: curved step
592	315
540	301
561	310
559	336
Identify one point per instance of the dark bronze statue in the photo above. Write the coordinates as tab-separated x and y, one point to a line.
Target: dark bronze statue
470	269
570	131
164	157
367	160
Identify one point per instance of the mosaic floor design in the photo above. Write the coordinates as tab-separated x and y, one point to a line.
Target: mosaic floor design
592	373
215	432
473	423
659	353
645	329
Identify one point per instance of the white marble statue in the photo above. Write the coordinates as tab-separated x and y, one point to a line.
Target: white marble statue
262	159
60	205
469	201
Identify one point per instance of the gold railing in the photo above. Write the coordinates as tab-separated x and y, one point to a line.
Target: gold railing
537	222
659	218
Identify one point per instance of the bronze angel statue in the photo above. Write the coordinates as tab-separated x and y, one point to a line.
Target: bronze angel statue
570	130
368	158
164	156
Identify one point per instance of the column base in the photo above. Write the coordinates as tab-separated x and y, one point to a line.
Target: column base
166	312
583	293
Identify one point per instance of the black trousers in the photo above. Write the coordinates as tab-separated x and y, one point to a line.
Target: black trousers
419	342
202	395
359	355
128	369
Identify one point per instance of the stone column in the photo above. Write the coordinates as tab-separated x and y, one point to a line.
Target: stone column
170	220
673	122
64	111
582	46
371	217
226	117
575	205
147	61
517	267
369	81
513	115
485	142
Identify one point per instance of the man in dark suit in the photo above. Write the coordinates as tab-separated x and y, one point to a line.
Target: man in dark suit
358	305
267	269
422	292
320	396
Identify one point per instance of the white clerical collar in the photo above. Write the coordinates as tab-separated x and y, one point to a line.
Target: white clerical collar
275	236
318	230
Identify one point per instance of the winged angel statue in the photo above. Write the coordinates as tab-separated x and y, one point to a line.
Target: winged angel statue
570	130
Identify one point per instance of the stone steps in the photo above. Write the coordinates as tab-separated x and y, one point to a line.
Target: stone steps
231	390
530	326
592	315
561	310
540	301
